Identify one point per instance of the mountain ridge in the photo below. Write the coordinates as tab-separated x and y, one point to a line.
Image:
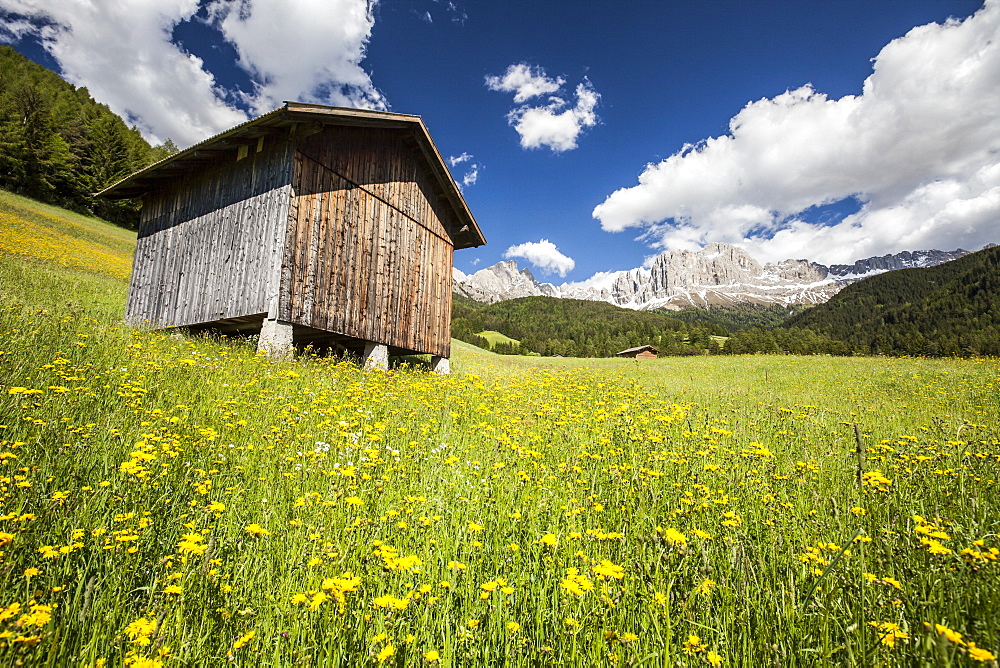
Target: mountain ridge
717	275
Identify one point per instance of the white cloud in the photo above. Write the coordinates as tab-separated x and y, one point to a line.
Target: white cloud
472	173
544	255
554	124
525	81
919	148
302	49
122	52
471	176
458	15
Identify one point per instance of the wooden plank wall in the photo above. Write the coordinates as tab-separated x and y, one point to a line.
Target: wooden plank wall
207	242
368	253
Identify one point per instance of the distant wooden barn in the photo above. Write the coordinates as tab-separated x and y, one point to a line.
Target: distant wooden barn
307	225
640	352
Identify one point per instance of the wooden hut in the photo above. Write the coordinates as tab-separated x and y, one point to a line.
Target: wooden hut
640	353
307	225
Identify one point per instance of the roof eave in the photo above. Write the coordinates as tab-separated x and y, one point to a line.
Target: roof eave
133	185
120	189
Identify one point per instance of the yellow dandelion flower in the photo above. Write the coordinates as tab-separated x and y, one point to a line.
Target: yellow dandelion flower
673	536
140	628
953	636
385	653
243	640
705	588
980	654
693	644
889	633
256	530
575	583
10	611
606	569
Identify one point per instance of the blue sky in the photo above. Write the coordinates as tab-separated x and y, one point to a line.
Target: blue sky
676	124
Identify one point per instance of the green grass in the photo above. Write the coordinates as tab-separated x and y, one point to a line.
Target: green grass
187	501
496	337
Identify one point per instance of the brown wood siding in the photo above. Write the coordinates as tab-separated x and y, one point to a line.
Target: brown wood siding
209	243
646	355
367	253
387	164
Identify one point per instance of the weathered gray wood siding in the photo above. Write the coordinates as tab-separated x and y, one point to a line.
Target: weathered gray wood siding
210	244
368	252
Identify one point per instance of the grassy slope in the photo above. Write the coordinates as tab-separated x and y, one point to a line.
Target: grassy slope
496	337
145	462
34	230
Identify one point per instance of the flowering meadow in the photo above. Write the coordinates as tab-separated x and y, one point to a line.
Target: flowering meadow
31	229
183	501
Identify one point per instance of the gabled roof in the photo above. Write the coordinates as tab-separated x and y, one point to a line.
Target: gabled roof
193	157
638	349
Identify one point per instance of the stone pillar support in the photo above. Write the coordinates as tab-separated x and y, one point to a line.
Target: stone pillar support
275	338
440	365
376	357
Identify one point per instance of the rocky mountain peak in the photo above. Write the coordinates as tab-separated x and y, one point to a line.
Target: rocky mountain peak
501	281
718	274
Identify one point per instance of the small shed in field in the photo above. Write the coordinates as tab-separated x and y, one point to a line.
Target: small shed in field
640	353
307	225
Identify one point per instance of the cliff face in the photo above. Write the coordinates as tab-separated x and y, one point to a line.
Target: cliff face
500	282
717	275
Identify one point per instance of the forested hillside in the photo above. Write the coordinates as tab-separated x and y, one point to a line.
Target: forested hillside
578	328
738	316
950	309
58	145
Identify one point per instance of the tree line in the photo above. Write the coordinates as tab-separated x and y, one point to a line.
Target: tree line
58	145
578	328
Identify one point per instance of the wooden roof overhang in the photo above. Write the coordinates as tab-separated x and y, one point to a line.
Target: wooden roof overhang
290	119
639	349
